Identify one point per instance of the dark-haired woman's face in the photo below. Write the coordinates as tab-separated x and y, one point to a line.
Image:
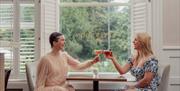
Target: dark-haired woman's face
61	42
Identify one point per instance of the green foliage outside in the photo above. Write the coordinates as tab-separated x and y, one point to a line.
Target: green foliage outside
86	29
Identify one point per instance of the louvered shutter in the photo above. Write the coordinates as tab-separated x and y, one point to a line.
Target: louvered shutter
17	34
27	35
141	15
49	23
6	32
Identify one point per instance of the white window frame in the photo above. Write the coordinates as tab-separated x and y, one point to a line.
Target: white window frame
15	74
148	14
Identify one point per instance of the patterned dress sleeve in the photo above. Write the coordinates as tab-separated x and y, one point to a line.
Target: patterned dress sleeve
151	65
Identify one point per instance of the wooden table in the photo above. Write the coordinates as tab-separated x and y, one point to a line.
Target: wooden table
96	79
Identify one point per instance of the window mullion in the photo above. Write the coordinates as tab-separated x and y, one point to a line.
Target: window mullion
37	28
16	37
109	35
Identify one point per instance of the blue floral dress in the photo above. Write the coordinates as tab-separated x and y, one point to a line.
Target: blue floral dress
150	65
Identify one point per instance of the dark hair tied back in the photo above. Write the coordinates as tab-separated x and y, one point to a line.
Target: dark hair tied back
54	37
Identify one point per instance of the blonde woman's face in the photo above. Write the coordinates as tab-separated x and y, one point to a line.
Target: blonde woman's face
137	43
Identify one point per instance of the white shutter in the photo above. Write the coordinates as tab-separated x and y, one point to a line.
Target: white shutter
141	15
27	32
49	23
6	33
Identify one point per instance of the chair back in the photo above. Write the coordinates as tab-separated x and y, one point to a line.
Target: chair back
31	74
164	74
7	74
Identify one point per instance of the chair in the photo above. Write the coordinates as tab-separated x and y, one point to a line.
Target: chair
164	74
7	74
31	74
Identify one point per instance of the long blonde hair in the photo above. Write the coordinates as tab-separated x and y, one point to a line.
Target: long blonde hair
145	41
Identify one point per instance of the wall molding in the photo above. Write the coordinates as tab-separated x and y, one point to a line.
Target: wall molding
174	80
171	47
174	56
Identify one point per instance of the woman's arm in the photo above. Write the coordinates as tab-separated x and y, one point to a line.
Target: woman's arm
148	76
120	69
75	64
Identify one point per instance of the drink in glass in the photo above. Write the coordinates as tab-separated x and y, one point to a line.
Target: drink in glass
97	52
100	54
107	53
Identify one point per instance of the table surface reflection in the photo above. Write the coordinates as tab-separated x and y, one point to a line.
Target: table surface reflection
100	77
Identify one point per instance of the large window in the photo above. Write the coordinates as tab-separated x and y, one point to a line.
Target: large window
90	25
18	43
87	24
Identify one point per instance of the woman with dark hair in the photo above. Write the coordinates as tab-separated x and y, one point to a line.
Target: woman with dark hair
53	67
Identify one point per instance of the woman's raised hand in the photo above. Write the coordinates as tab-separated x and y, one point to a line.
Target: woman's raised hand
96	59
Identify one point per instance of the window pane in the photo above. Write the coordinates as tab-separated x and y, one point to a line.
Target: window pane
85	30
89	28
120	32
6	24
27	12
6	15
8	56
27	35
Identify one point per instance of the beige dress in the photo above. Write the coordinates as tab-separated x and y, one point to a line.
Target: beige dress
52	72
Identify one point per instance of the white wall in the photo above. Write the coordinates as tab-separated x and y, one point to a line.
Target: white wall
171	23
171	41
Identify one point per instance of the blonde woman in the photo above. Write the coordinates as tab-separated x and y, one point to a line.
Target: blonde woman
143	64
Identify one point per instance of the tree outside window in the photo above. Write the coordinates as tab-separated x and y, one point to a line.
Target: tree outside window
105	25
